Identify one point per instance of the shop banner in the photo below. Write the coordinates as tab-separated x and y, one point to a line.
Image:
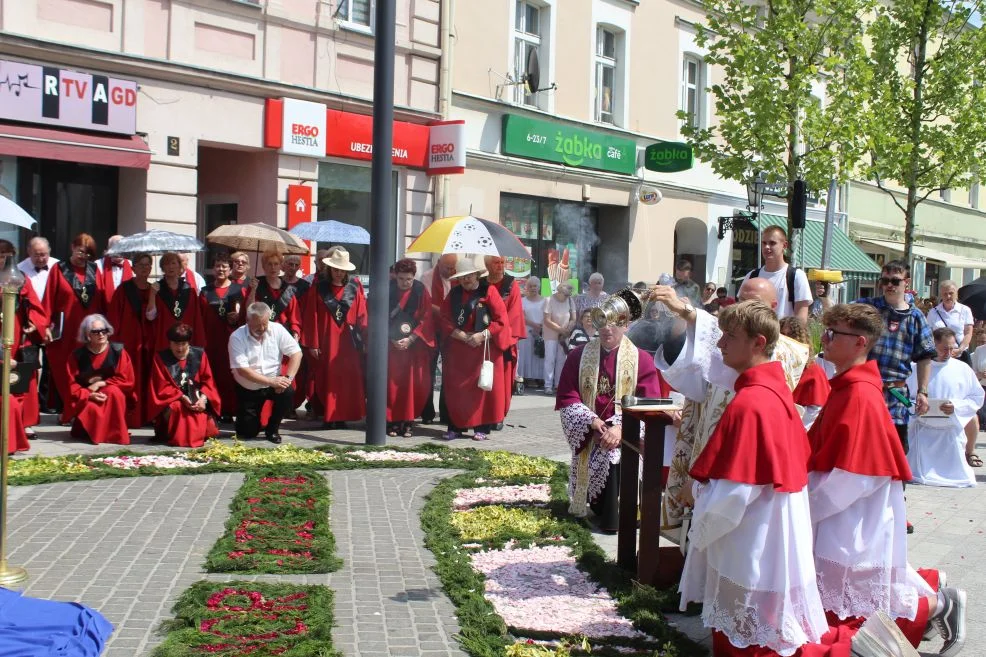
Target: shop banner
68	99
351	135
668	157
299	212
555	142
446	148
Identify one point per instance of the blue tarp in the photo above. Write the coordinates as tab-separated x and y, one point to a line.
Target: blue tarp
45	628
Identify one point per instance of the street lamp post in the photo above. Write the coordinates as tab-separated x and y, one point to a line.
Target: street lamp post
11	281
754	198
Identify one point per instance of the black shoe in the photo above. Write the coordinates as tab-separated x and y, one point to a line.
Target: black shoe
275	438
950	621
910	528
499	426
226	419
428	420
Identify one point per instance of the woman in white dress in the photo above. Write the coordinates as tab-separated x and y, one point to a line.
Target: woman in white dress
559	320
530	366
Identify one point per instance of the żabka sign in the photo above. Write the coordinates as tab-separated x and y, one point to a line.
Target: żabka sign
668	157
67	99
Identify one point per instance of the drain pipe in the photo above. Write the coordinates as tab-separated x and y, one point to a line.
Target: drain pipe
440	201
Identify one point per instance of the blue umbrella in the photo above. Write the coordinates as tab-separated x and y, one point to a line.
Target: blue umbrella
331	231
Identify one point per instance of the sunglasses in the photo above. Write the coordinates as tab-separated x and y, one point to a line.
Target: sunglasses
829	334
102	331
892	281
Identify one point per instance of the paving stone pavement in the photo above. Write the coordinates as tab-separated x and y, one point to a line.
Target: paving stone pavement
384	543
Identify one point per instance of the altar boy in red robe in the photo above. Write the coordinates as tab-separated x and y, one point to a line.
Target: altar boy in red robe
750	558
857	474
183	397
412	342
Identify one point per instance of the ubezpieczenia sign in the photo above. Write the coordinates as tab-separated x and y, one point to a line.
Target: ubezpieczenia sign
668	157
556	142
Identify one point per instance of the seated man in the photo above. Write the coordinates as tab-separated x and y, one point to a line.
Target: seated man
183	397
594	379
750	561
856	488
938	440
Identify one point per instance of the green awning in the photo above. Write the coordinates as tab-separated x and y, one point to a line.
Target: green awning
846	256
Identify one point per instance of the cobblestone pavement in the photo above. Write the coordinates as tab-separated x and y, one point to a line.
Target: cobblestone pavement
91	541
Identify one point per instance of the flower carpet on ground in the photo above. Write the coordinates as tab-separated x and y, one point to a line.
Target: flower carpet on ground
393	455
523	494
498	523
250	619
278	524
164	462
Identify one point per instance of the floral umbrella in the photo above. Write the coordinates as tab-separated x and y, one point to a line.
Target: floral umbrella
469	235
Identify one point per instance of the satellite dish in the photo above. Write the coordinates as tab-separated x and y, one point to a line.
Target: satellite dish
532	79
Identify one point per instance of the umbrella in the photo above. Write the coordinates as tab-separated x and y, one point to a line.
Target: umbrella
257	237
11	213
155	242
331	231
974	296
469	235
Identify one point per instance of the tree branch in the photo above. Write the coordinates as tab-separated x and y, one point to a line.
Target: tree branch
890	192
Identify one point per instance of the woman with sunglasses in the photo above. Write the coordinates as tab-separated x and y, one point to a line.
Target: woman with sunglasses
709	301
101	384
126	311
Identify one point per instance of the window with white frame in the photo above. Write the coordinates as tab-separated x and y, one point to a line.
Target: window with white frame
606	65
974	195
693	90
528	29
355	13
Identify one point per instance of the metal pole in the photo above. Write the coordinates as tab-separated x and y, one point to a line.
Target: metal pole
8	574
382	238
829	225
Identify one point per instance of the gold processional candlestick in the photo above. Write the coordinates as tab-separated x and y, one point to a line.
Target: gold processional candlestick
10	282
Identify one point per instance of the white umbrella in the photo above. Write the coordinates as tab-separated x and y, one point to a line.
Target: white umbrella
155	242
11	213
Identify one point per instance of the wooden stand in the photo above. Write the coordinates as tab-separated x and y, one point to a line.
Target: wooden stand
648	562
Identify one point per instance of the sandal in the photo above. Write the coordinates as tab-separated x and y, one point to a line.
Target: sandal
479	435
973	460
407	431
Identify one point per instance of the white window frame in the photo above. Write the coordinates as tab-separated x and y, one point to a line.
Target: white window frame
602	62
698	116
344	19
523	38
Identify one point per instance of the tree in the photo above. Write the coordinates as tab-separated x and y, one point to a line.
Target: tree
926	125
770	57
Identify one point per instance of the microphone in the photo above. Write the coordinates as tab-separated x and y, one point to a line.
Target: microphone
630	400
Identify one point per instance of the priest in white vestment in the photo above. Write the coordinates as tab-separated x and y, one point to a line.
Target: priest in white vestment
938	440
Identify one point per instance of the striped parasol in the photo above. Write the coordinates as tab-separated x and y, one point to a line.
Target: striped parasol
469	235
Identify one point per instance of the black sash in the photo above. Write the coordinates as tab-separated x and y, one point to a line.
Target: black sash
176	302
461	312
279	305
84	292
402	321
84	358
132	293
338	308
184	378
504	286
222	305
301	286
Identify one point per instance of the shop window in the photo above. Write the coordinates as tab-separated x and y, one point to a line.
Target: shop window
561	235
356	14
693	90
344	195
607	63
531	28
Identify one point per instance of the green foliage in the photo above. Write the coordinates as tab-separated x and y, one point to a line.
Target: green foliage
498	523
507	466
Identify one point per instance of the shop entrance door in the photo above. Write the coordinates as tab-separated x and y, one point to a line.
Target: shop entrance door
68	198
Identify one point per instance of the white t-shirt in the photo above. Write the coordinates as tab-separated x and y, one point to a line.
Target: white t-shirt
262	356
559	312
802	290
956	319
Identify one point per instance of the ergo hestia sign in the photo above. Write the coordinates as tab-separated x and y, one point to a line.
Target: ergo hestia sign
557	142
668	157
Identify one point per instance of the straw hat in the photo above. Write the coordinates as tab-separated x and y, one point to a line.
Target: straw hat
470	264
339	259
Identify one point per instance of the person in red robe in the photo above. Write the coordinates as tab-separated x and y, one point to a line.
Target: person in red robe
309	364
30	323
475	328
173	301
113	270
184	400
240	264
273	291
509	291
412	341
101	384
302	383
594	377
813	387
857	474
74	291
127	314
332	333
749	557
221	306
438	280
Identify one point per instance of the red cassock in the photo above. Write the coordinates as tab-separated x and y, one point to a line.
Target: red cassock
173	307
106	274
283	303
71	293
335	318
126	315
813	387
18	436
409	370
468	405
214	305
510	294
29	311
105	422
172	379
303	378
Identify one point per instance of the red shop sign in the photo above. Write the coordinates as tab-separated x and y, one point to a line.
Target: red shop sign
351	135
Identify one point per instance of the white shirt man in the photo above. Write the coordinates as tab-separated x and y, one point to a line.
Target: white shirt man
773	241
37	265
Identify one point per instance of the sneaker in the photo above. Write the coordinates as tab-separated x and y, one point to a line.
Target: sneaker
950	622
934	627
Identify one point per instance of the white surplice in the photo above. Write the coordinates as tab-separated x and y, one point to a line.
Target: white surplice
750	563
937	444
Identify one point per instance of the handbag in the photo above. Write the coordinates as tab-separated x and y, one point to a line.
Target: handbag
539	346
486	370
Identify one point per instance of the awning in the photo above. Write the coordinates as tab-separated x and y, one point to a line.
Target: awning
48	144
845	256
957	262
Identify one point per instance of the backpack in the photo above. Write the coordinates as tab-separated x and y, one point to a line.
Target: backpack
755	273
